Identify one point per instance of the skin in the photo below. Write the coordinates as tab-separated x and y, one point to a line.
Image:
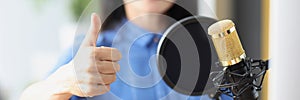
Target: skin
93	68
147	13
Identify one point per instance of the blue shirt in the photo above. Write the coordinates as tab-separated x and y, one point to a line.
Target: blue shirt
138	78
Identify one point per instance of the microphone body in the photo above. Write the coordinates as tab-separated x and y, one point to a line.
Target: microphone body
232	57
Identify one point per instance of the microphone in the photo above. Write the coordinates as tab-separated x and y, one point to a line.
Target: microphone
227	42
242	76
186	60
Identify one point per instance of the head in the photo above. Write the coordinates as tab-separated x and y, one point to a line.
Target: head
148	6
140	7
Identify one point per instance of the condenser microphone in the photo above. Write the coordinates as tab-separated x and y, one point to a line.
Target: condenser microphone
238	76
187	60
227	43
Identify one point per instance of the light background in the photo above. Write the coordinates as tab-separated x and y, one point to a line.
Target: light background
33	35
285	50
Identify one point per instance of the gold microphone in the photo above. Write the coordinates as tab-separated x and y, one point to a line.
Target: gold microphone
231	54
227	42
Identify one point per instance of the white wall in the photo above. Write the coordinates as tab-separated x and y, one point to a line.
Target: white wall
29	41
207	8
285	50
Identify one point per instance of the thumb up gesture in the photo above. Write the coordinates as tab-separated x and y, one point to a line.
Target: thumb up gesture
93	68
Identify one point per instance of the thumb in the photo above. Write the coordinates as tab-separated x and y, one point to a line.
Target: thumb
92	35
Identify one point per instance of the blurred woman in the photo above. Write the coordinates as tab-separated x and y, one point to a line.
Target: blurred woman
103	63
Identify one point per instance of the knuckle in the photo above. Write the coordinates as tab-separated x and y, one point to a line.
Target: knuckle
109	79
117	66
101	66
107	67
102	79
120	56
107	88
115	52
100	51
110	67
112	78
106	82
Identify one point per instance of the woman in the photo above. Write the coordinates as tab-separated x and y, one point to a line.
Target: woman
97	70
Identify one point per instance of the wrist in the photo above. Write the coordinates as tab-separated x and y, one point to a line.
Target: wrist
60	83
57	90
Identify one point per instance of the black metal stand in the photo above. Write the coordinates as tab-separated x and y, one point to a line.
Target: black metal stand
241	81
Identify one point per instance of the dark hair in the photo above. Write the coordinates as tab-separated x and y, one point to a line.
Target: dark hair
176	12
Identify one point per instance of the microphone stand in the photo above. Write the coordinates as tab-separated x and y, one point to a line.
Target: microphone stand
241	81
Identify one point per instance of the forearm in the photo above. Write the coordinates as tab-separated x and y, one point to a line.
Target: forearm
45	90
55	87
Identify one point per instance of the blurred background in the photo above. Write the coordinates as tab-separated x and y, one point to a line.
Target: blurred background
34	33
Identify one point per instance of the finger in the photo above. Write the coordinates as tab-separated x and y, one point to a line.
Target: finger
95	90
92	34
103	79
107	79
100	89
107	67
106	53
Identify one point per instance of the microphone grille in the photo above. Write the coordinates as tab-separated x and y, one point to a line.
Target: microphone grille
220	27
226	42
